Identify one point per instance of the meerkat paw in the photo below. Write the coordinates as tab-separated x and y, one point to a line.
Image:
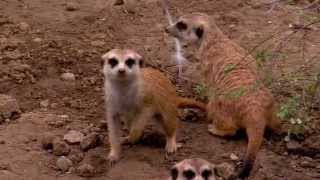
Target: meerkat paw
172	146
113	158
213	130
125	140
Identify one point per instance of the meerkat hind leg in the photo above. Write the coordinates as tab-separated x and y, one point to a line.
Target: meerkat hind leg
170	125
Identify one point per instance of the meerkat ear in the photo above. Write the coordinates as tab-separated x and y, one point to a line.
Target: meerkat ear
103	59
199	31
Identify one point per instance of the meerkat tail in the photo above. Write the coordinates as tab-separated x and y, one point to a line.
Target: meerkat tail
255	138
187	102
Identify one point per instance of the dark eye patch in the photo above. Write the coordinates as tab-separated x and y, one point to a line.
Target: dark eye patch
130	62
199	32
206	173
113	62
182	26
189	174
174	173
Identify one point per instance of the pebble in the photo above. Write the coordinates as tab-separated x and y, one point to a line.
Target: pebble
76	156
72	7
98	43
85	170
234	157
44	103
60	148
68	77
37	40
118	2
47	141
90	141
293	146
73	137
9	108
24	26
64	163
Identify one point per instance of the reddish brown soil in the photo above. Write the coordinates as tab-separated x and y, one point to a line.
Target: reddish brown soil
73	39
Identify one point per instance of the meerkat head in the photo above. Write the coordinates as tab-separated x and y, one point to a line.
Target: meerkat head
121	65
193	169
190	29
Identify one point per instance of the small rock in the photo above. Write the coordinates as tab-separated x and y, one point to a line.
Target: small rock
98	43
73	137
37	40
85	170
47	141
24	26
225	170
64	163
293	146
76	156
60	148
9	108
234	157
90	141
118	2
44	103
307	164
68	77
72	7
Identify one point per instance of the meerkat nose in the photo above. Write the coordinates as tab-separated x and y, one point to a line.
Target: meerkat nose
166	29
121	72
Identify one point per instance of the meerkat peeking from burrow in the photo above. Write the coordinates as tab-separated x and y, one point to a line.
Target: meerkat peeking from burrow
239	100
193	169
136	95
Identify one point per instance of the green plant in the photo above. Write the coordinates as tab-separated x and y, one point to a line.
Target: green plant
262	56
297	124
289	109
228	68
201	90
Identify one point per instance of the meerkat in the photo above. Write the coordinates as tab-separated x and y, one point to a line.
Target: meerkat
238	101
135	95
193	169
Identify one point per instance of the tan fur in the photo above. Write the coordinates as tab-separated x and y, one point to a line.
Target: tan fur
147	94
239	100
196	166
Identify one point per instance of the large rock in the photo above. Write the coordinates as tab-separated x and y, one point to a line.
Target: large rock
9	108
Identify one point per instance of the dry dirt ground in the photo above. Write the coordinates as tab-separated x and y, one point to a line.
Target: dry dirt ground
41	39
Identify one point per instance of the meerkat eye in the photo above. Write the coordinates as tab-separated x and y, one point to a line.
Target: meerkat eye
182	26
206	173
130	62
113	62
189	174
174	173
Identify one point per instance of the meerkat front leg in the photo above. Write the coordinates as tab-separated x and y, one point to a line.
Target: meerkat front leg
137	125
114	124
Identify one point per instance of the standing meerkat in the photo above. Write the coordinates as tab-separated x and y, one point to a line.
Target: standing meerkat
193	169
135	95
239	101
